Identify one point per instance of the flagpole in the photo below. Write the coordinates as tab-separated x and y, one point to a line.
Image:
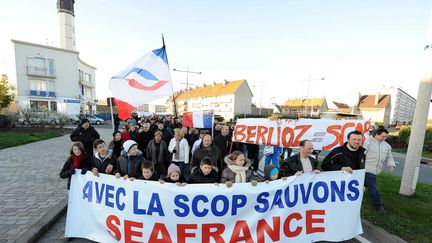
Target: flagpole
174	100
112	115
213	123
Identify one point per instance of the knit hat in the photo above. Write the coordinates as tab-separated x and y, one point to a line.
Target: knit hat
273	172
128	144
173	168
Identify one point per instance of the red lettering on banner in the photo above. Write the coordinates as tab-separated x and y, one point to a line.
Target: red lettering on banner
310	220
238	131
287	143
114	231
216	235
286	228
269	137
334	129
129	232
182	234
158	227
274	233
262	130
303	130
342	135
251	132
240	226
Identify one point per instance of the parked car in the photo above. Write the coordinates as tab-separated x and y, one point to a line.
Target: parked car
94	119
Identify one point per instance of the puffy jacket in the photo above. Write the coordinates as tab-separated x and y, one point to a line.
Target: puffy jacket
378	154
183	150
129	166
102	164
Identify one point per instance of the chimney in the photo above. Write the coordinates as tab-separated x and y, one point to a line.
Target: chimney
225	82
377	97
65	10
214	84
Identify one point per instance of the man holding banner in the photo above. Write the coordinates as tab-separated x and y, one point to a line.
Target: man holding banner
348	157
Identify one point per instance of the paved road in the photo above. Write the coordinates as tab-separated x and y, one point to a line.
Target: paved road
30	184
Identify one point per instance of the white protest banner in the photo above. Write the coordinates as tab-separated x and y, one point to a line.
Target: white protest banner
324	134
307	208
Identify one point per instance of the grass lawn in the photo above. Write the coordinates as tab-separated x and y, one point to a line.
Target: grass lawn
11	139
404	151
407	217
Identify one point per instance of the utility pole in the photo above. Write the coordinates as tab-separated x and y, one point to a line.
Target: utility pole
187	83
418	129
308	89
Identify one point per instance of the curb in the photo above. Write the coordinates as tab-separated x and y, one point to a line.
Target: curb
43	225
377	234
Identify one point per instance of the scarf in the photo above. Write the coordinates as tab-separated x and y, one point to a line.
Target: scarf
77	160
240	172
177	148
155	158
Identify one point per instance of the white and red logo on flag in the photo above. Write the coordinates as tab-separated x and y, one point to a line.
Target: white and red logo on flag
145	80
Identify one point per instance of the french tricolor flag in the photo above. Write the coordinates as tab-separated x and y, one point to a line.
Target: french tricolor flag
198	119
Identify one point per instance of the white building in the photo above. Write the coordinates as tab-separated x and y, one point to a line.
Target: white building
52	78
402	105
226	99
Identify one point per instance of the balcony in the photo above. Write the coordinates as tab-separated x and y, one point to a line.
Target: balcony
40	72
43	93
87	84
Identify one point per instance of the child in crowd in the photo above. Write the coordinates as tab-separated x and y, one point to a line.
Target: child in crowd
128	164
78	159
237	169
206	172
148	172
271	173
116	144
104	161
175	176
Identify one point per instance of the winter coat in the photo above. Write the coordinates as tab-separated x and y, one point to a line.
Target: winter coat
101	164
166	135
224	144
183	150
343	157
198	177
212	152
229	175
144	139
86	163
293	164
116	146
129	166
133	136
86	136
378	155
160	162
125	135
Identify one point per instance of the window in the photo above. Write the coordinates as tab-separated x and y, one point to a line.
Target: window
36	105
53	106
50	70
87	78
40	66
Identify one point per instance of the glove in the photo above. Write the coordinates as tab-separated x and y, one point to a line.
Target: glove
174	151
254	182
228	184
83	171
72	171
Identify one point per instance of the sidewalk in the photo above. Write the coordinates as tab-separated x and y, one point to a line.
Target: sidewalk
30	186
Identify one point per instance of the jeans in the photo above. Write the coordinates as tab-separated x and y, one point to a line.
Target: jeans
274	158
371	184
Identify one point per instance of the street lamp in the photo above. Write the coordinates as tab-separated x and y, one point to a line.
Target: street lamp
262	91
187	82
308	89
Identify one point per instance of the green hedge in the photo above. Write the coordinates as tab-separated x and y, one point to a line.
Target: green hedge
404	135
